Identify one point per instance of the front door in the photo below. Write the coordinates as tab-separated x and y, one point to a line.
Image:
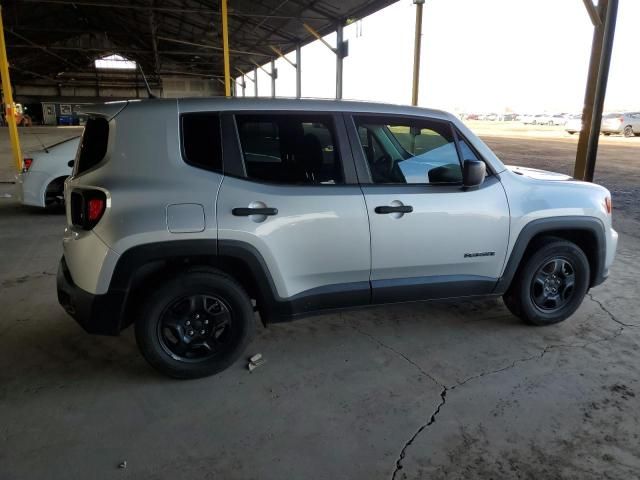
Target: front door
296	200
430	238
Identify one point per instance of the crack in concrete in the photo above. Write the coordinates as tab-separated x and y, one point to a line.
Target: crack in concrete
609	314
445	388
432	420
397	352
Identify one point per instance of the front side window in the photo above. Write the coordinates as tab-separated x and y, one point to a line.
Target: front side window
290	149
409	150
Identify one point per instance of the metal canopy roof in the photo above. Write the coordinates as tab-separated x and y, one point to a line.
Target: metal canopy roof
57	41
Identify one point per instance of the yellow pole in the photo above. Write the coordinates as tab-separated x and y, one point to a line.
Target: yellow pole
10	107
225	47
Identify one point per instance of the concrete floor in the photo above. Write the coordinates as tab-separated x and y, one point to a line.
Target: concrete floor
457	390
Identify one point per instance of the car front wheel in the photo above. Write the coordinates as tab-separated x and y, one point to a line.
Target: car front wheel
196	324
551	284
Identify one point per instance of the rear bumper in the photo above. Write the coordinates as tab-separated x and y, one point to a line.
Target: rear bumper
97	314
29	188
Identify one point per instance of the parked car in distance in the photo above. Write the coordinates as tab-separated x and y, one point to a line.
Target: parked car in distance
41	182
508	117
527	119
574	124
558	120
627	124
542	119
296	207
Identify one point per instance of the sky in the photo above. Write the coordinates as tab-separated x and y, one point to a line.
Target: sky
477	56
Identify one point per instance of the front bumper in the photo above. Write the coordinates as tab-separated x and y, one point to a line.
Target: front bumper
97	314
609	255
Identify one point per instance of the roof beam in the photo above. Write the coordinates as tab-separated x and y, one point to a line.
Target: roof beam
193	44
203	11
43	48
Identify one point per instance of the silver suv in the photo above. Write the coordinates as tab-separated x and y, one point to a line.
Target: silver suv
187	216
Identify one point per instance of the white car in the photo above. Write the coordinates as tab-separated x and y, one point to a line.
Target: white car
558	120
574	124
41	182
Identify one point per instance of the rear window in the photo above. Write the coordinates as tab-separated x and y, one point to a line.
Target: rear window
94	143
201	143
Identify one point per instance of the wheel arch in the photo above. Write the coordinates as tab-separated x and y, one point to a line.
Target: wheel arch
140	269
586	232
44	188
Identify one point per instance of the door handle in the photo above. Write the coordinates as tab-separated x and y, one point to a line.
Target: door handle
394	209
245	212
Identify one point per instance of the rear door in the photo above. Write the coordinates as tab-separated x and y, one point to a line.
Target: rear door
430	238
291	193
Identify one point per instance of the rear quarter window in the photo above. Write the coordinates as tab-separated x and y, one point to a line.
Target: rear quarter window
93	146
201	140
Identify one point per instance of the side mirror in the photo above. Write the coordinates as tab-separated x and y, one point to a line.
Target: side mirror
71	163
473	173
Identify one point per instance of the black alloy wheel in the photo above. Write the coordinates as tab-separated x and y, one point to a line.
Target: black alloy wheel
196	328
195	323
550	283
553	285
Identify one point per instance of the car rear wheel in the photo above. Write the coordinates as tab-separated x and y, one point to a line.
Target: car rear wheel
628	131
54	194
196	324
551	284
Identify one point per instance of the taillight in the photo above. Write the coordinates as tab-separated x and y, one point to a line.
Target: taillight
87	208
95	209
26	164
608	207
621	119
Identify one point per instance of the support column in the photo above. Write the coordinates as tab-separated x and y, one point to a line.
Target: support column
255	82
417	45
339	59
298	71
274	75
10	107
601	89
592	77
225	49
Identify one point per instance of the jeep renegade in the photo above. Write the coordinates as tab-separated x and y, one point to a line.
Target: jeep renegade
184	217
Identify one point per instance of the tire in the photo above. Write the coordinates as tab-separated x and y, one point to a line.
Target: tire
570	132
606	134
554	300
195	325
628	131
